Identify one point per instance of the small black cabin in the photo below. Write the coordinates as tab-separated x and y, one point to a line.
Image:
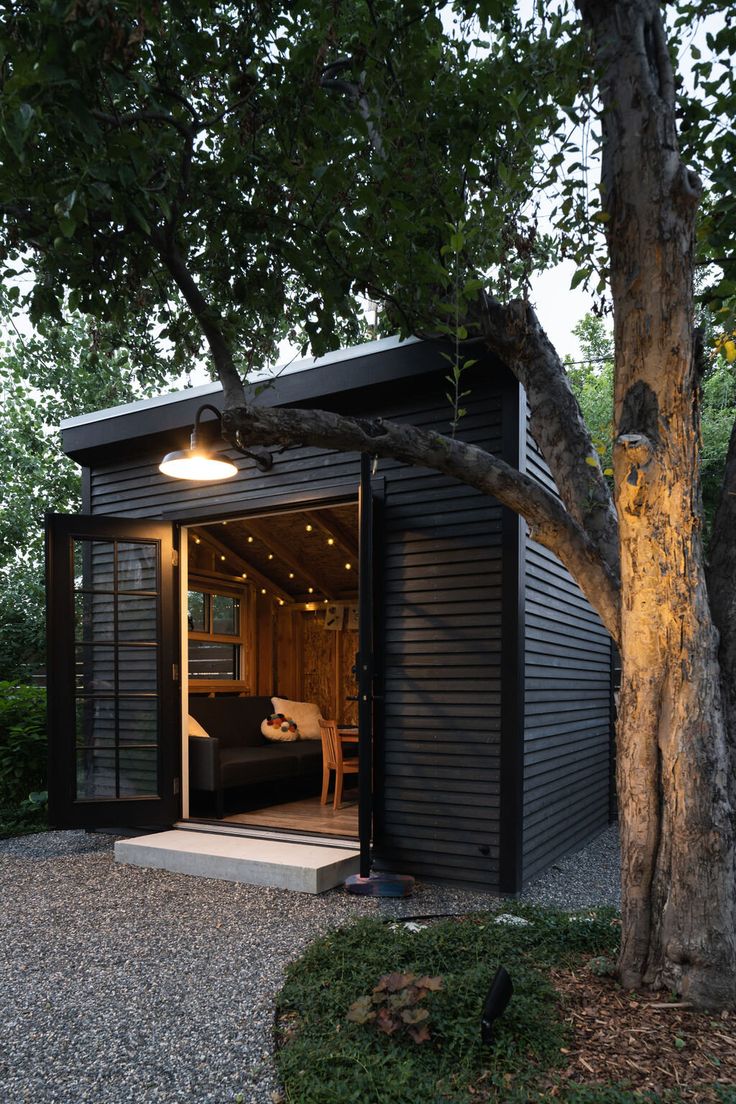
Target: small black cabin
178	612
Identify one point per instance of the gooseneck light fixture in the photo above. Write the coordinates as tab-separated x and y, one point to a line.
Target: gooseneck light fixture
200	463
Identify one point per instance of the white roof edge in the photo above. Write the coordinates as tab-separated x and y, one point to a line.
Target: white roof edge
368	348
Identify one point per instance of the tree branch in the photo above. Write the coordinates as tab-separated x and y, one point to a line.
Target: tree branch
210	322
548	519
514	334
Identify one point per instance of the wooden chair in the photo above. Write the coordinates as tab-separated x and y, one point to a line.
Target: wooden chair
332	759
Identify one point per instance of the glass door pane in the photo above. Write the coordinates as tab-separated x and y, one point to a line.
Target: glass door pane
111	680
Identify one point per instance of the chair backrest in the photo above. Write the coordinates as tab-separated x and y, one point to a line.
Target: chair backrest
331	747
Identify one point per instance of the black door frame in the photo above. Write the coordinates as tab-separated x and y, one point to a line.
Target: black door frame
65	810
313	498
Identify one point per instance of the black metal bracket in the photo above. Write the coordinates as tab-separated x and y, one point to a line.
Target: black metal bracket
262	457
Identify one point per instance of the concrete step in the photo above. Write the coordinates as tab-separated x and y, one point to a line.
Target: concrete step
303	867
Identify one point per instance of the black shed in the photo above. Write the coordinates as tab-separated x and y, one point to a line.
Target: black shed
486	697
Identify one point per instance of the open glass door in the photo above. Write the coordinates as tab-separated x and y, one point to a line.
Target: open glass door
111	674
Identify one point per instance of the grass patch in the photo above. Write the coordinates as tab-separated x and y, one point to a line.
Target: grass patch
325	1059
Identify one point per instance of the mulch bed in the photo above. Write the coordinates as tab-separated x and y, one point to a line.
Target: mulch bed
646	1044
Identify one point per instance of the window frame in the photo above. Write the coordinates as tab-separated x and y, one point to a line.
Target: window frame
242	639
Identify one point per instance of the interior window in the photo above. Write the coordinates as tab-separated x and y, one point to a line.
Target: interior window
213	618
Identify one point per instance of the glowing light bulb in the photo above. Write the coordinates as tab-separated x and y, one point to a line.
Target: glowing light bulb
310	590
222	557
348	566
308	528
270	555
250	540
263	590
291	574
330	540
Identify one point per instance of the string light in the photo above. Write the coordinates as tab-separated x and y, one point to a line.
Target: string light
291	574
222	557
310	590
245	575
325	600
270	555
197	540
330	540
263	590
308	528
348	566
281	602
250	540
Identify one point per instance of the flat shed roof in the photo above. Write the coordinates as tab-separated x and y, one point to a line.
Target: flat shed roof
299	382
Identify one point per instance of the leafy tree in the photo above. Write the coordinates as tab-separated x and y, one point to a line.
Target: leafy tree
66	368
230	173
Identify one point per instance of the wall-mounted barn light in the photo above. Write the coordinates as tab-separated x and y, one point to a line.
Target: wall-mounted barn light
201	463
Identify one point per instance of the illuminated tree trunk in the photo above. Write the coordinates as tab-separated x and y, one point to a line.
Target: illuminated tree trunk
675	760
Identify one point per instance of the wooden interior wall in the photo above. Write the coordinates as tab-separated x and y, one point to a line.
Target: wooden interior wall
327	658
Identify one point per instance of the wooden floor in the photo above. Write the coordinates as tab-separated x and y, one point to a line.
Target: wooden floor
305	816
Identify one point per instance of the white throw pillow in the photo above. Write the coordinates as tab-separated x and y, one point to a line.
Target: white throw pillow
281	728
195	728
306	715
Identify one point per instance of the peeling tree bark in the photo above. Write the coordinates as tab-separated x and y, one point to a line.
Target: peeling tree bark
675	766
512	331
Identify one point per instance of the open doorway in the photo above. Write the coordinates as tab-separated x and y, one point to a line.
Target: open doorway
270	648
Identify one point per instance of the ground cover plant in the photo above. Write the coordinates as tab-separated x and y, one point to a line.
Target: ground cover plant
331	1049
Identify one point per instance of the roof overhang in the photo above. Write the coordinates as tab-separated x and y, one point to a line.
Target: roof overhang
304	383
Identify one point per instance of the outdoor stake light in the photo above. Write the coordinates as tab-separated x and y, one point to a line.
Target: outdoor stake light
200	463
496	1003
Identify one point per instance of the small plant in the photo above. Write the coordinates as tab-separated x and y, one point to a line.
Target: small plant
396	1004
602	966
22	741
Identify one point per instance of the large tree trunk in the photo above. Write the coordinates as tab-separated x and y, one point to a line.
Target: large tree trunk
675	767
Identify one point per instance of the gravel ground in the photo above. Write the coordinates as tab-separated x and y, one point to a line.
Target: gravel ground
128	986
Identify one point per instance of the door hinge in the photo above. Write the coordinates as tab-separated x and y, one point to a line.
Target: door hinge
175	672
174	558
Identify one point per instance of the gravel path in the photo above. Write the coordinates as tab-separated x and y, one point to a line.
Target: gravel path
128	986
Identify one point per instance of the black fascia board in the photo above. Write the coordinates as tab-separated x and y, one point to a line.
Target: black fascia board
165	421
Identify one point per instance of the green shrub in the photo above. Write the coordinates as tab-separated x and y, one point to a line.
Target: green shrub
22	743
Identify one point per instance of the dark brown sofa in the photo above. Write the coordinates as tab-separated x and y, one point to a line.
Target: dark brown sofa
237	754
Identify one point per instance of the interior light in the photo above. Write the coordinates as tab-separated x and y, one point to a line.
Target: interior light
250	540
245	576
197	540
222	557
330	540
270	555
308	528
325	600
348	566
310	590
203	465
263	590
281	601
291	574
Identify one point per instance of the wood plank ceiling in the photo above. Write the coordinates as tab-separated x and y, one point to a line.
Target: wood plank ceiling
305	556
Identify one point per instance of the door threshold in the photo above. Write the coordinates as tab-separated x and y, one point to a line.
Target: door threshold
252	831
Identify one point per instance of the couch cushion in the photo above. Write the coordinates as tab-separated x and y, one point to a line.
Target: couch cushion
308	754
242	766
235	721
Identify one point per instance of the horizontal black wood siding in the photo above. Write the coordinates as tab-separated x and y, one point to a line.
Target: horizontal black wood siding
567	706
439	642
